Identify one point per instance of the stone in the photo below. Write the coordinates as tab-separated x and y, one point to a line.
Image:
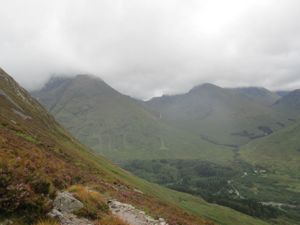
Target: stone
6	222
66	203
55	214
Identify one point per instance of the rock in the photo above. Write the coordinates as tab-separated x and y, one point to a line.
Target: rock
66	203
55	214
71	219
138	191
6	222
161	220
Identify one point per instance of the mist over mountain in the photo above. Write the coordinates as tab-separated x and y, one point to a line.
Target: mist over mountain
222	115
117	125
149	49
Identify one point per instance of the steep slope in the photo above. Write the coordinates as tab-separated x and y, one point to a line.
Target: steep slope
38	157
118	126
220	115
282	93
289	104
259	95
279	151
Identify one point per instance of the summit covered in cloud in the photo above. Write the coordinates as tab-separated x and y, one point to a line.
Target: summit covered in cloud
150	48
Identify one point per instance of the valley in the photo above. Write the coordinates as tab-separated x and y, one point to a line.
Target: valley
233	147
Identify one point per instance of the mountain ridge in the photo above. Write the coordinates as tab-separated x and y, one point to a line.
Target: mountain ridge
233	115
117	125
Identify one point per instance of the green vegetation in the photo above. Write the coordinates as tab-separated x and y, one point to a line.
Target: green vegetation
278	152
238	187
27	137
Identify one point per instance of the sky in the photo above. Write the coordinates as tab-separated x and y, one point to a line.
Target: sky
147	48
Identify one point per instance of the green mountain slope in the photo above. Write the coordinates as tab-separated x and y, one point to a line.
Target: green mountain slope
279	151
221	115
289	104
118	126
38	157
276	166
260	95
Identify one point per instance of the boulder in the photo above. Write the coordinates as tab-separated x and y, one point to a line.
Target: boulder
66	203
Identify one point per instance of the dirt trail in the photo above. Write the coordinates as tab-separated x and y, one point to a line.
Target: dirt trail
132	215
65	204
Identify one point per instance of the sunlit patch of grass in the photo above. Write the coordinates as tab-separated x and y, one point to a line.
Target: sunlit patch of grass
95	205
27	137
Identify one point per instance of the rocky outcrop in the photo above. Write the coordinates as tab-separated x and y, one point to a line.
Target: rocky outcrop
63	207
131	215
65	202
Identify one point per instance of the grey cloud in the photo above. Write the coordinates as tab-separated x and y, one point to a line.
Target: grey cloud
148	48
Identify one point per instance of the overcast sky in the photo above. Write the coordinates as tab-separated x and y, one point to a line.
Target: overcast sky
147	48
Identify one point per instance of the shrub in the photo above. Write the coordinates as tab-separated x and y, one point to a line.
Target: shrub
42	186
17	194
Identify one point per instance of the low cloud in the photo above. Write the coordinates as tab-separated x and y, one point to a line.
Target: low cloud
149	48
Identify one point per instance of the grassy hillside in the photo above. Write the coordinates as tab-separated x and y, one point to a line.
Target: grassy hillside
221	115
118	126
38	157
279	151
278	156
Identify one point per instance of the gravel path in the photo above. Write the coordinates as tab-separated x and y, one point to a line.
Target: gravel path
65	204
132	215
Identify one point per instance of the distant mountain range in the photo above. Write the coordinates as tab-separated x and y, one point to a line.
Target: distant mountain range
221	115
117	125
206	117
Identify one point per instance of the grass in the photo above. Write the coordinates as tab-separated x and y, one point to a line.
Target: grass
27	137
278	152
95	205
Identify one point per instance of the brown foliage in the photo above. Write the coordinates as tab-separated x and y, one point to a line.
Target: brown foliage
95	205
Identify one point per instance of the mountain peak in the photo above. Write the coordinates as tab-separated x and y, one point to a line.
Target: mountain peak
204	86
88	77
